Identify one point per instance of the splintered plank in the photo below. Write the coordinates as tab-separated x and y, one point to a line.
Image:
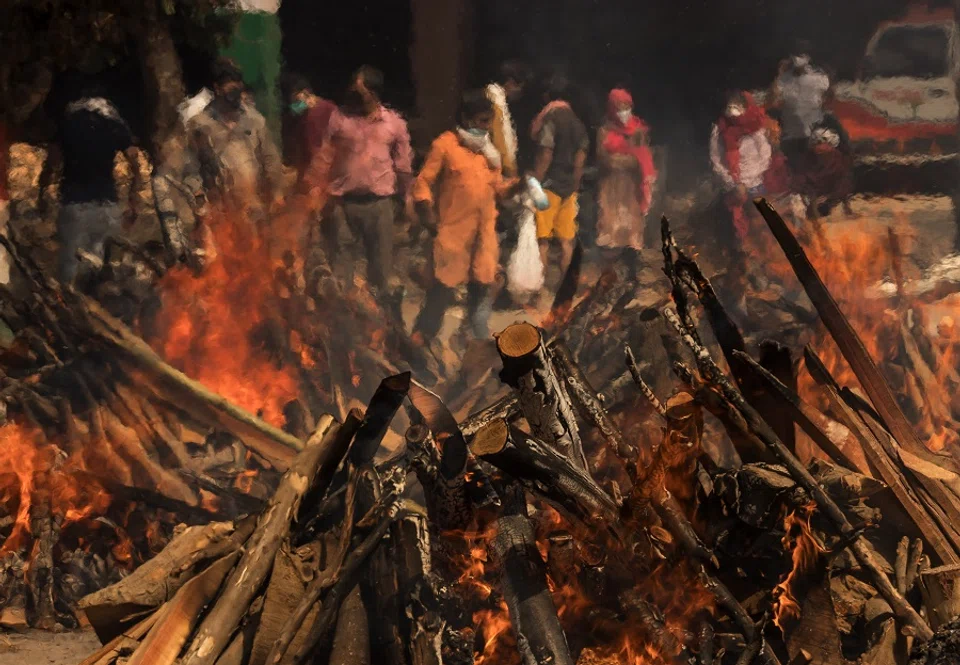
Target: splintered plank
847	339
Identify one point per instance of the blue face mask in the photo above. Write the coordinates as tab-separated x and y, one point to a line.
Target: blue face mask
299	107
477	132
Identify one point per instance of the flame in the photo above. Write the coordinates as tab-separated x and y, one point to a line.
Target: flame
41	470
210	322
853	258
805	550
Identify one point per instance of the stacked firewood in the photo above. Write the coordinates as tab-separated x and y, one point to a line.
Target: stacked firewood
343	566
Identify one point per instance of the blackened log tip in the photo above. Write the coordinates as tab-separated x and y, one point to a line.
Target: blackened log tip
518	340
417	434
398	382
491	438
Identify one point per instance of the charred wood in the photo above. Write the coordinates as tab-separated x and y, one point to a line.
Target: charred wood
544	401
847	339
540	638
246	580
588	403
758	428
542	470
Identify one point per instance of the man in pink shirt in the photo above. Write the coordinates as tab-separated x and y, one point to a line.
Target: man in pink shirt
365	166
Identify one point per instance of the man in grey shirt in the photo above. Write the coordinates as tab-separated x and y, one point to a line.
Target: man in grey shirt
234	150
799	91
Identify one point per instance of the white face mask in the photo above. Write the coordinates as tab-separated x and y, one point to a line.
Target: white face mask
734	111
625	116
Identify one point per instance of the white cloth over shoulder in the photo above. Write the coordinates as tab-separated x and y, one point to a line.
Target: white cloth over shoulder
497	95
194	106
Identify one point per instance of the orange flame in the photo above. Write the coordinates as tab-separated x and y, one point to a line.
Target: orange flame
805	550
209	323
39	467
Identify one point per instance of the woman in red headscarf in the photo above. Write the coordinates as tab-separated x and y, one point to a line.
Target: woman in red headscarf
627	174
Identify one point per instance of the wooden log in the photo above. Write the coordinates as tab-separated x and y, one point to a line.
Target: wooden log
288	583
847	339
251	572
157	580
544	471
156	423
45	529
154	476
447	501
543	399
292	628
351	642
883	465
168	636
540	638
323	487
900	565
759	429
833	438
882	651
13	594
940	590
707	644
384	404
913	564
379	585
505	408
937	488
587	401
423	624
446	432
817	632
675	521
344	582
645	389
174	386
634	604
111	650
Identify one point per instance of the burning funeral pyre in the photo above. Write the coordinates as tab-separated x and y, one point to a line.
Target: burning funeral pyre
589	515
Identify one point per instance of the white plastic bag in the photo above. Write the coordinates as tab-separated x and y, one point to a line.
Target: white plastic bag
525	269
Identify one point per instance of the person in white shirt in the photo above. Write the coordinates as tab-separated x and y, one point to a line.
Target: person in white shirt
741	155
799	91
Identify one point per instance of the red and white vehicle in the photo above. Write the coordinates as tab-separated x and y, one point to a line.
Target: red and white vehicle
903	109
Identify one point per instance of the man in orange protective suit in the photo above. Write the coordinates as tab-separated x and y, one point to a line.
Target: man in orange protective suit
456	198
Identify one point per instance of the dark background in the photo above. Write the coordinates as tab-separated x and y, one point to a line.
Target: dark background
678	57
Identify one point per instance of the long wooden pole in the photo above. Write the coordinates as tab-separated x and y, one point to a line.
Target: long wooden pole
847	339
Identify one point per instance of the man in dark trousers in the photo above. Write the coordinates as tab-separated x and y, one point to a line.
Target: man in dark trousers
365	166
90	134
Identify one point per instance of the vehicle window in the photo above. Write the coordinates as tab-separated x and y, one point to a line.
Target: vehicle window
916	51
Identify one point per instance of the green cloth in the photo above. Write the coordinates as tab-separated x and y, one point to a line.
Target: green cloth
255	47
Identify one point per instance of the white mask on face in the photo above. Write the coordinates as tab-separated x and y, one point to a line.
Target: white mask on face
625	116
734	111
